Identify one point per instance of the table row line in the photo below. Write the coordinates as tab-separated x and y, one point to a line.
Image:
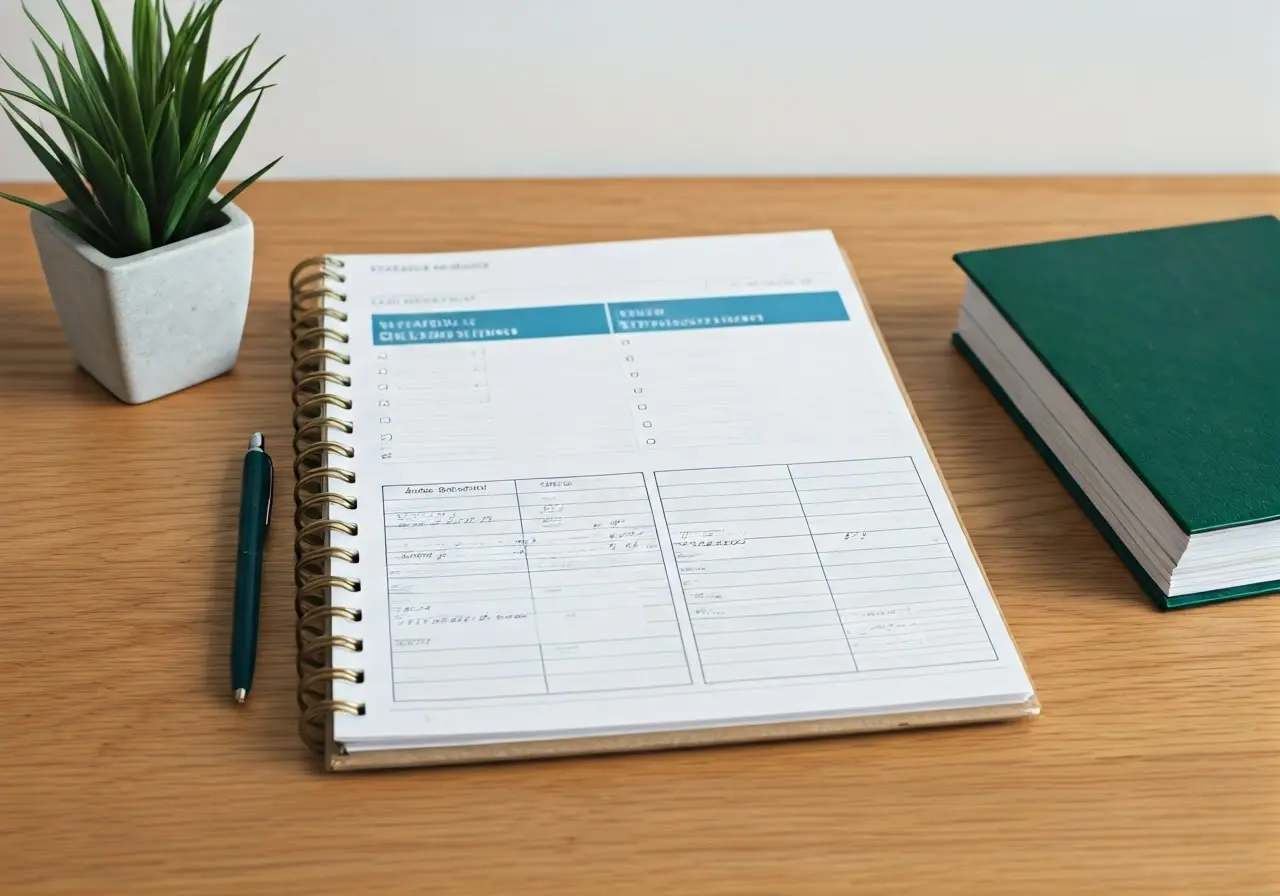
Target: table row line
691	544
430	532
706	497
797	473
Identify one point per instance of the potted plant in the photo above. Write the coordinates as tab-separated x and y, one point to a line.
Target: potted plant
147	264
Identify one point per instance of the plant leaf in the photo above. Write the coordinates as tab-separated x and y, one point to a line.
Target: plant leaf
196	148
212	173
69	77
82	107
179	50
94	109
56	112
211	91
166	155
157	121
244	185
135	214
253	85
58	99
181	201
194	81
168	24
130	111
99	168
243	56
145	58
60	168
90	71
27	82
75	225
201	143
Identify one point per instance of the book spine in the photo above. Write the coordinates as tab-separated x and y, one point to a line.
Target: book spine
327	630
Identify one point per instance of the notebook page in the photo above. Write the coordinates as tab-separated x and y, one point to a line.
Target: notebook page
665	483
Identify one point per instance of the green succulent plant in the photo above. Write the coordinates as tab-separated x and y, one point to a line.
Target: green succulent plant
142	157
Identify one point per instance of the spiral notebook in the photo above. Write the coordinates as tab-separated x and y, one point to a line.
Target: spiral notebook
620	496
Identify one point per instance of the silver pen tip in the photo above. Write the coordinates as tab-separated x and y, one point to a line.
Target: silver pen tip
240	694
257	441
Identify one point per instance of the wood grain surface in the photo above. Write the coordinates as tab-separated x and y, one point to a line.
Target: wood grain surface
1154	768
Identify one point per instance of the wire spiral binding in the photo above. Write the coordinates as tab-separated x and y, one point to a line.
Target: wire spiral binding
317	336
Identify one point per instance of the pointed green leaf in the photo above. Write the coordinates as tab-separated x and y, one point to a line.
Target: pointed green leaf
157	121
48	39
75	225
165	154
40	28
54	90
87	109
95	117
212	91
64	62
158	35
99	168
128	107
253	85
27	82
179	49
56	112
145	59
213	85
244	185
59	100
201	145
213	172
243	57
60	168
194	151
194	82
135	213
168	24
91	73
183	202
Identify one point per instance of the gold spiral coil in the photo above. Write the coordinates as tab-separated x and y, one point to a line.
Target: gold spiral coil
315	327
317	428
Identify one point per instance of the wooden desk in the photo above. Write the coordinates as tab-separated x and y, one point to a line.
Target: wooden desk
1154	768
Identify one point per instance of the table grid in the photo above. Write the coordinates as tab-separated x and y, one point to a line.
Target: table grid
519	587
813	569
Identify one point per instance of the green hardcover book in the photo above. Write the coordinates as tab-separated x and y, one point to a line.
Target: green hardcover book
1145	368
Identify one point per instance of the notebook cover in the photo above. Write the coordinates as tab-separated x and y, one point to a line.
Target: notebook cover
337	759
1167	340
1161	600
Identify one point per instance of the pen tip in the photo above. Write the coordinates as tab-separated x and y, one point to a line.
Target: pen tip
257	441
240	695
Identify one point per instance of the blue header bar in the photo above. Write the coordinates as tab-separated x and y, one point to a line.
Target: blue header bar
726	311
488	326
659	315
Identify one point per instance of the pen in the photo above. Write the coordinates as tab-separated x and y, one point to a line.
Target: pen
255	515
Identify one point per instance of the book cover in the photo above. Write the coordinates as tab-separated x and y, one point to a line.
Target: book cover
1169	340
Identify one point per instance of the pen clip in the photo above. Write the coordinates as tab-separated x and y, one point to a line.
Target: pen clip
271	487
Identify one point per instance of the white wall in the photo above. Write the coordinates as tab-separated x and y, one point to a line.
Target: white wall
427	88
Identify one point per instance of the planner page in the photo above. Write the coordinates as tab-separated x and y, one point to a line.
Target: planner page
648	485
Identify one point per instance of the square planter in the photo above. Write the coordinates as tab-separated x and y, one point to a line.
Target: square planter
151	324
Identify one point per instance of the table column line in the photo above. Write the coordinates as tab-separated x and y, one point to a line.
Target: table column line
817	553
528	571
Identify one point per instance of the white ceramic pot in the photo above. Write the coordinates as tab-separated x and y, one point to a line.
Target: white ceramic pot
151	324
